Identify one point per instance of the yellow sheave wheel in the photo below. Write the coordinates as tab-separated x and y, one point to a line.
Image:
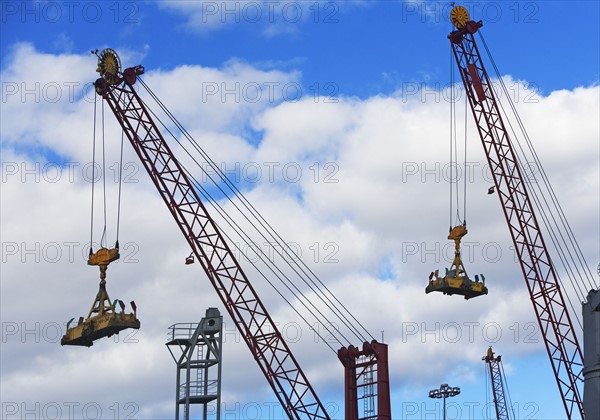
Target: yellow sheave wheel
109	65
459	16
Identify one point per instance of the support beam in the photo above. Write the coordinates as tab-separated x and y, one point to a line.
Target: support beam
366	379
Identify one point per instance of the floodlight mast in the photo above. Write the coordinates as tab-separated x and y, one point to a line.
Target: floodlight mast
444	391
542	282
250	316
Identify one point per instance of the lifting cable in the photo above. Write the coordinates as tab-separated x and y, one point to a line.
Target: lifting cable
219	209
455	145
534	193
103	237
204	193
241	233
271	232
93	177
465	171
119	194
554	199
452	128
546	211
487	374
507	397
454	153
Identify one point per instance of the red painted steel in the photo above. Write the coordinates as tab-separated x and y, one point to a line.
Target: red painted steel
541	279
260	333
358	364
497	385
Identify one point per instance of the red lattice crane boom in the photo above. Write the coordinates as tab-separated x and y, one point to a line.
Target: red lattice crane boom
540	276
260	333
494	365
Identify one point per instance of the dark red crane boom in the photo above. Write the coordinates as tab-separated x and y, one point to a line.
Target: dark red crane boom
542	281
494	366
260	333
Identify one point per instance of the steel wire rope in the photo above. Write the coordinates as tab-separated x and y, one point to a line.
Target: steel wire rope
508	398
93	175
222	213
549	227
456	175
542	210
120	184
559	211
451	128
103	238
248	241
548	306
465	168
272	233
537	200
292	259
545	178
486	371
212	202
454	152
545	219
554	198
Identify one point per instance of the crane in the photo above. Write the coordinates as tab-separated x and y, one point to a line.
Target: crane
259	331
210	247
496	376
547	296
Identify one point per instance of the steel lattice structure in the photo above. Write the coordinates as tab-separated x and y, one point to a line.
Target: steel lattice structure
497	385
260	333
542	281
366	369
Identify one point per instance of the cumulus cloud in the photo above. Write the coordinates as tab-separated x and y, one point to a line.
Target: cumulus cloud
358	185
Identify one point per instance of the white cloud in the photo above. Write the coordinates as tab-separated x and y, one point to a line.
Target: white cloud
385	210
272	18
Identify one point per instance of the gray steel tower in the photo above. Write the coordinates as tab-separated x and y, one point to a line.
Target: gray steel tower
196	350
591	355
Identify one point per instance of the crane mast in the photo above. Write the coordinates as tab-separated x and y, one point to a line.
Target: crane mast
497	384
260	333
540	276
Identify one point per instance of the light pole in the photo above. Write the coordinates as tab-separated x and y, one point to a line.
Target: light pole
444	392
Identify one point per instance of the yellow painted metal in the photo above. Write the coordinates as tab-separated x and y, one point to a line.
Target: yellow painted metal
109	65
456	281
89	330
102	320
104	256
457	233
459	16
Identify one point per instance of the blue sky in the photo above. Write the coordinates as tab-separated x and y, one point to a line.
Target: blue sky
372	57
365	48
